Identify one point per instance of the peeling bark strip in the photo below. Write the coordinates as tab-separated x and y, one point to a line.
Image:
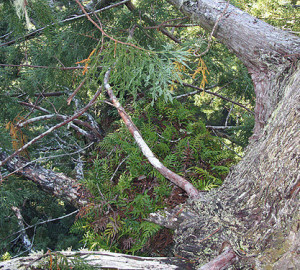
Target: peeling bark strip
99	260
25	239
61	186
173	177
222	261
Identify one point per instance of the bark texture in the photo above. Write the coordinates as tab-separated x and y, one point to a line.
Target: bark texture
256	211
267	52
97	259
58	184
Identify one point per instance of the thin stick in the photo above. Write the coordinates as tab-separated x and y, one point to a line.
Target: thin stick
212	32
40	223
34	66
173	177
103	32
211	93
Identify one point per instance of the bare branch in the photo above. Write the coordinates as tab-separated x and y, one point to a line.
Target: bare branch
212	32
103	32
40	223
72	18
45	158
199	90
95	135
25	239
35	66
164	31
100	260
76	115
173	177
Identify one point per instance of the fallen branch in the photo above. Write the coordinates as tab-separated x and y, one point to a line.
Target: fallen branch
97	259
173	177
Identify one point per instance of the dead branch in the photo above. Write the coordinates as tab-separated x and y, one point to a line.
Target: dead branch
99	260
76	115
35	66
76	17
199	90
94	134
57	184
25	239
103	32
173	177
164	31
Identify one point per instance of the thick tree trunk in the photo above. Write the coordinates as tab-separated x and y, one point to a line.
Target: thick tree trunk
267	52
256	210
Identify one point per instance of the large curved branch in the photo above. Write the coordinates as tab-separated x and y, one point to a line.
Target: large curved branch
251	39
173	177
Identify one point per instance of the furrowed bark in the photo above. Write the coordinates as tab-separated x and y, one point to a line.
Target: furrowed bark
58	184
173	177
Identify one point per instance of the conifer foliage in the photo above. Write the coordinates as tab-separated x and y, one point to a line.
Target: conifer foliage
51	65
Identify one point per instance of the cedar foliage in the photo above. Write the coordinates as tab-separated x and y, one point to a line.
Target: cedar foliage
126	188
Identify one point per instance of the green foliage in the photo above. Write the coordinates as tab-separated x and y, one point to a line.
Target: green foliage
128	188
125	186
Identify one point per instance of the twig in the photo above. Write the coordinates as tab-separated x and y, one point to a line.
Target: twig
211	93
103	32
76	115
35	66
164	31
221	127
40	223
227	145
117	168
76	90
173	177
32	34
91	127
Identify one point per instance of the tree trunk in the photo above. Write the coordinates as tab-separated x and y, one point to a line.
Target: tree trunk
256	209
266	51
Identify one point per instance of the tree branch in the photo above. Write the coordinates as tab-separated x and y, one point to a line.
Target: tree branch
72	18
76	115
173	177
99	260
199	90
